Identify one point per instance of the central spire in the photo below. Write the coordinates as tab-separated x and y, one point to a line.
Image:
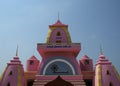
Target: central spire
101	51
17	51
58	16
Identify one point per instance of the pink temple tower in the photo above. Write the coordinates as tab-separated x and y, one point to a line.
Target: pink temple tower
32	64
13	74
105	73
59	65
59	57
86	66
31	70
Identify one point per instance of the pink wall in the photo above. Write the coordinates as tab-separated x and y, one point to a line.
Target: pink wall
70	57
106	73
86	63
32	64
107	78
77	77
62	37
13	79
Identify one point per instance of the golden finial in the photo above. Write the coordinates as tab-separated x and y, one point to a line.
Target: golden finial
17	51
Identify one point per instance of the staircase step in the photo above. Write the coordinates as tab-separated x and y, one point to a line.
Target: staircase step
43	82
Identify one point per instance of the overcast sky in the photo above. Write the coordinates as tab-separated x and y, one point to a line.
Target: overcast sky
91	22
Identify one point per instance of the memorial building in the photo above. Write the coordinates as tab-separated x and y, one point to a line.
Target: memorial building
59	65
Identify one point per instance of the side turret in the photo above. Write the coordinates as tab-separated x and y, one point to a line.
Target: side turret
86	63
86	66
32	64
13	74
58	34
105	73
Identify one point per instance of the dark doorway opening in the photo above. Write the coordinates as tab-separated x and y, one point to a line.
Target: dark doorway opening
88	82
30	82
58	82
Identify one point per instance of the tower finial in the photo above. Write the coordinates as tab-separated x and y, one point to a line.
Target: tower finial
101	51
58	16
17	51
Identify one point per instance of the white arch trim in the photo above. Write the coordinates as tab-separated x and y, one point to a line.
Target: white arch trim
61	60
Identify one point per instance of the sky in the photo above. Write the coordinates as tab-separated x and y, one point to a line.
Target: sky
91	22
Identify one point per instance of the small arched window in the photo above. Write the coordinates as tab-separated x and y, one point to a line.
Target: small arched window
108	72
8	84
87	62
58	33
11	73
110	84
31	62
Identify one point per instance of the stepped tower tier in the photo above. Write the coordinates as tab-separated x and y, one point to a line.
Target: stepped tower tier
58	34
13	74
59	57
58	41
59	50
105	73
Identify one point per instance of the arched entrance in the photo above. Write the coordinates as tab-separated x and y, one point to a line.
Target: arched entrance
58	82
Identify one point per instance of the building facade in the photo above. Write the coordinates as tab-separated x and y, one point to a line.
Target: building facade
59	55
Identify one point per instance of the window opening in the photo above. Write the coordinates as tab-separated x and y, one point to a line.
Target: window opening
86	62
108	72
111	84
89	82
31	62
30	82
58	34
58	41
8	84
10	73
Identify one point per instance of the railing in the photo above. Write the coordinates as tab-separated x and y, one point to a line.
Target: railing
56	45
60	44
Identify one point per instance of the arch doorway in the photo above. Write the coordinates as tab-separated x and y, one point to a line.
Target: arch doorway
58	82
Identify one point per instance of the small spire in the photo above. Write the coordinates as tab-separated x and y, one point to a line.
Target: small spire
17	51
58	16
101	51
